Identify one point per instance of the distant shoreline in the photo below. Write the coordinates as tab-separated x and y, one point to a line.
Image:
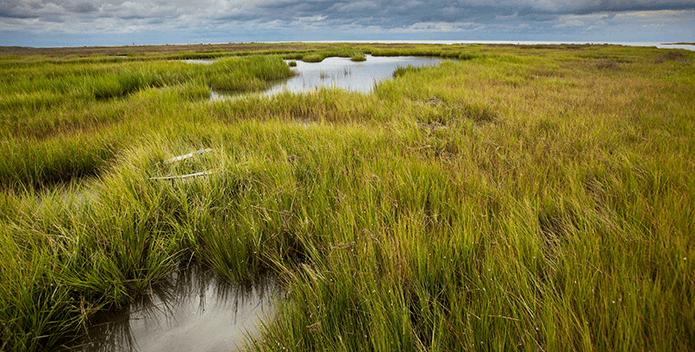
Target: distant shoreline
241	46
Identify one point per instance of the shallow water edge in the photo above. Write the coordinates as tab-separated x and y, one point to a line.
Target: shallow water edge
192	310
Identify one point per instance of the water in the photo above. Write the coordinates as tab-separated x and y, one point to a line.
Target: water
342	73
198	61
193	311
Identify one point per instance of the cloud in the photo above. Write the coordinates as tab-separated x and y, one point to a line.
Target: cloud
140	10
356	6
663	15
591	20
316	18
632	5
513	16
496	19
26	9
82	7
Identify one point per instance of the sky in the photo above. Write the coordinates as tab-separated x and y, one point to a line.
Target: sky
59	23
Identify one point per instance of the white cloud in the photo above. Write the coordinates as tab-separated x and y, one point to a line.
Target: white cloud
663	15
316	18
139	10
591	20
537	5
354	6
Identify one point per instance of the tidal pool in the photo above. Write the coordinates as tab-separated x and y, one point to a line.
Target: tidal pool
194	310
341	72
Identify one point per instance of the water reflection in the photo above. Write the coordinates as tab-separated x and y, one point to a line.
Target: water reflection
342	73
193	310
339	72
198	61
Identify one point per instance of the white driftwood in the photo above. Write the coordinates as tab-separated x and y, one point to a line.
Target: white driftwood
189	155
178	177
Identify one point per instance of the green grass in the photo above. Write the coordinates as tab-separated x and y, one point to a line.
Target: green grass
358	57
313	58
521	198
59	125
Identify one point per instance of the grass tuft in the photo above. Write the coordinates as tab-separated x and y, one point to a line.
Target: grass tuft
313	58
402	71
358	57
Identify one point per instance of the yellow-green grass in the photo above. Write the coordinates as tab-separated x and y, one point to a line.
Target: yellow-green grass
521	198
358	57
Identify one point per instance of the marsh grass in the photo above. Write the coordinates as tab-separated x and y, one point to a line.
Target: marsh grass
522	200
313	58
607	65
358	57
672	56
76	135
403	70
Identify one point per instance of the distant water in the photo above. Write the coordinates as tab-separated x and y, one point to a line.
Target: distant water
660	45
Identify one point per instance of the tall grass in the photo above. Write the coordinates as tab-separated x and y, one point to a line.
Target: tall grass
358	57
525	199
58	126
244	74
313	57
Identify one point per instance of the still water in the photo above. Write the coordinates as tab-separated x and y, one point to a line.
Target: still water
341	72
194	310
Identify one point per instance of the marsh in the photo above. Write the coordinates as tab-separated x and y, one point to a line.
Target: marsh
339	72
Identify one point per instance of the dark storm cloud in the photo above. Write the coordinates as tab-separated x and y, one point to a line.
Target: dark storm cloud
44	9
70	10
82	7
376	13
17	9
633	5
394	14
529	10
388	13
